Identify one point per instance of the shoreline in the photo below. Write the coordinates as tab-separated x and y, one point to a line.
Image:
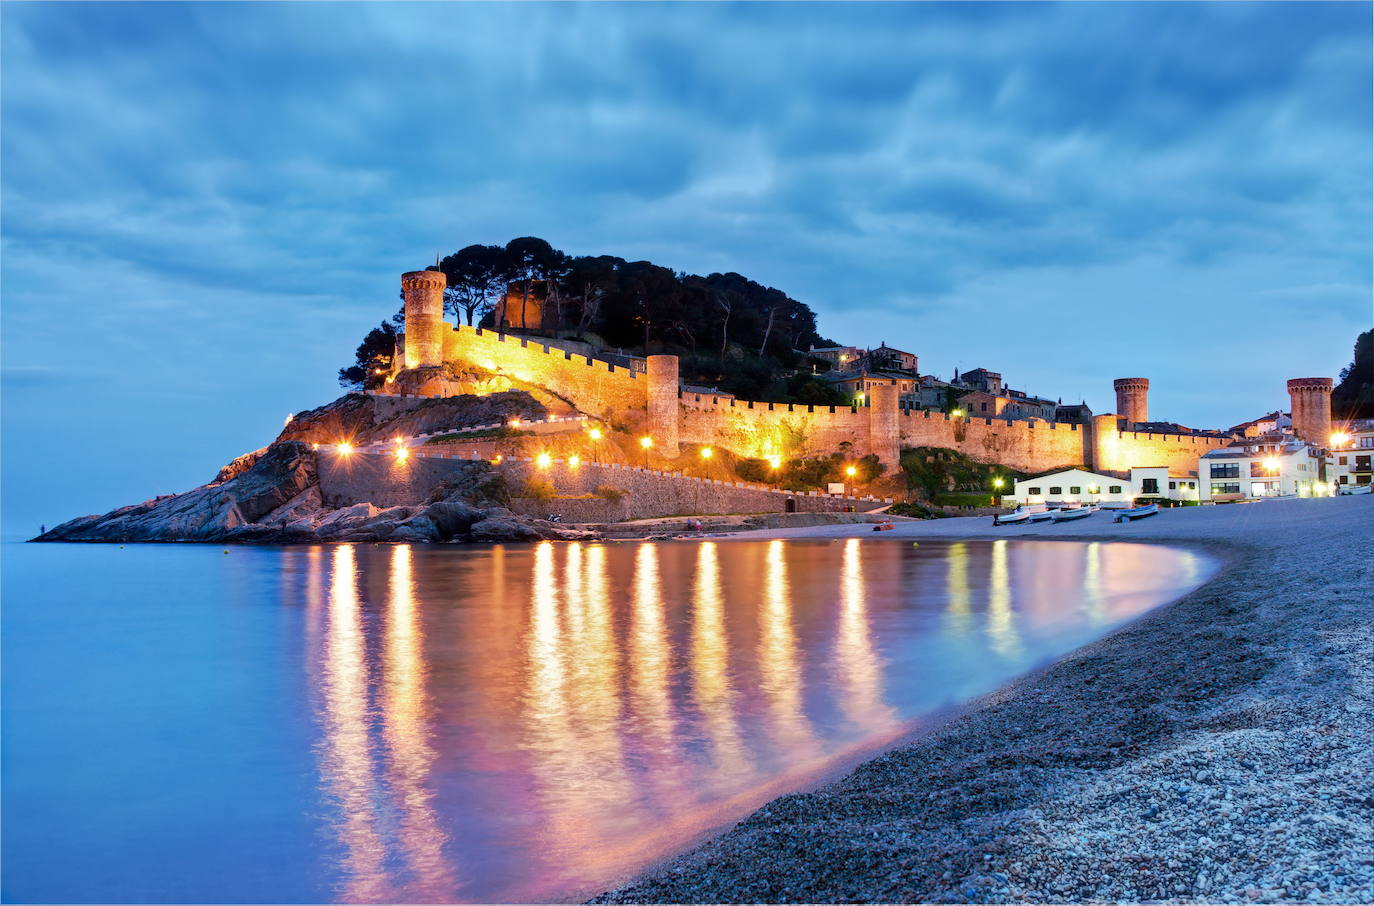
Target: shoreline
1216	749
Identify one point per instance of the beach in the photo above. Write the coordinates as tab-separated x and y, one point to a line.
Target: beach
1218	749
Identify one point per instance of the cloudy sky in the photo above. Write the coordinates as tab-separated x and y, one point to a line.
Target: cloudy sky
205	206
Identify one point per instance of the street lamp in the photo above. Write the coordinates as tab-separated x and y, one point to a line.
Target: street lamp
850	471
1340	439
957	413
645	443
707	452
997	483
543	460
344	448
594	433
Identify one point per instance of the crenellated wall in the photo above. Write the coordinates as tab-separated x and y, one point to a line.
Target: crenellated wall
757	429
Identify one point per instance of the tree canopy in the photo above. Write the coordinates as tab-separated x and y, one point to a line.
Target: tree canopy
1353	397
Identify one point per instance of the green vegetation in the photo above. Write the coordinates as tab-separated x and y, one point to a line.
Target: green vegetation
810	474
610	492
918	510
539	489
499	432
933	471
1353	397
966	499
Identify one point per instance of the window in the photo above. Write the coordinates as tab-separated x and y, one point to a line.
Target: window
1257	470
1033	491
1263	488
1342	460
1362	463
1302	467
1114	489
1345	479
1173	485
1230	487
1227	470
1149	485
1075	489
1056	490
983	407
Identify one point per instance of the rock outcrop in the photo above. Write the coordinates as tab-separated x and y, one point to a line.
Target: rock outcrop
362	418
273	496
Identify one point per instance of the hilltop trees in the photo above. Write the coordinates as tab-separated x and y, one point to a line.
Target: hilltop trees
1353	397
730	332
372	360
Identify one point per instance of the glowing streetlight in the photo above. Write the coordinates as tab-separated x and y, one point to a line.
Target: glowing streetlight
594	433
958	413
543	460
646	442
574	461
1340	439
851	471
315	446
1271	464
514	423
707	452
774	462
344	448
998	482
402	454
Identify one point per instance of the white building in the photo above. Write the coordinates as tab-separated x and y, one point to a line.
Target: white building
1079	486
1270	466
1351	460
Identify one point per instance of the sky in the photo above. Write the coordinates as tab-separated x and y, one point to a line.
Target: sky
204	207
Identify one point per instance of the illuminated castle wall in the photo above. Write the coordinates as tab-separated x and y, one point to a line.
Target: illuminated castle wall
653	402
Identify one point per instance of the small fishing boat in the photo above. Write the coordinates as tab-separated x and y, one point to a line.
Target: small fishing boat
1041	516
1077	512
884	527
1012	518
1137	512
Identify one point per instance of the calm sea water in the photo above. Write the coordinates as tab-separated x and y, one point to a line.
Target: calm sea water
387	723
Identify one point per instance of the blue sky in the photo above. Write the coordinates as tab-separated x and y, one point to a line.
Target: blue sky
205	206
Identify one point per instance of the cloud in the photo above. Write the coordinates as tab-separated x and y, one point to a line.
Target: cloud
252	178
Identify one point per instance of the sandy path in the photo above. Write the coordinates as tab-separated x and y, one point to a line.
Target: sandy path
1219	749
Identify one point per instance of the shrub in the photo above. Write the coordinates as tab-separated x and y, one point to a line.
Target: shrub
611	492
502	431
918	510
965	500
539	489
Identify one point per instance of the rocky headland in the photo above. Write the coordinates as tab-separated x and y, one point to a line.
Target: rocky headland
274	495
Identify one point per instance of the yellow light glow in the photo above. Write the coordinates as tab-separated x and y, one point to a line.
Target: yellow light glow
1092	488
345	448
314	446
1271	464
543	460
774	462
594	433
707	452
851	471
402	454
515	423
997	483
574	461
496	460
1340	439
646	442
957	413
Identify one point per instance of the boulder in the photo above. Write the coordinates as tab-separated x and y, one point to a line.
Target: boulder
453	517
504	528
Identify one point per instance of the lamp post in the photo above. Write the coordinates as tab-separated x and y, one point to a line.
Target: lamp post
645	443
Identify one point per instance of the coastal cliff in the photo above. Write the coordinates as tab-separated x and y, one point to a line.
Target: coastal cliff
276	495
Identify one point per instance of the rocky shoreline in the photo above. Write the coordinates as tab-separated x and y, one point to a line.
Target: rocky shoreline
1217	750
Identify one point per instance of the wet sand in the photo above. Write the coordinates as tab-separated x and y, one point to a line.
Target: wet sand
1219	749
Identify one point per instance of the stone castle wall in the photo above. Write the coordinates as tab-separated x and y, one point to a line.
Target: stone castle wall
758	429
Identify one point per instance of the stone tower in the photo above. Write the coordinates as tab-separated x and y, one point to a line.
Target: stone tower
663	403
1310	398
424	292
1105	450
883	428
1132	400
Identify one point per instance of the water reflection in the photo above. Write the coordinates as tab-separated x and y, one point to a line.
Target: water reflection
528	722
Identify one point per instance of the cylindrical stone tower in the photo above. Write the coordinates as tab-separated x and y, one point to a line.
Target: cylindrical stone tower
663	403
884	432
1132	399
1106	444
1310	399
424	292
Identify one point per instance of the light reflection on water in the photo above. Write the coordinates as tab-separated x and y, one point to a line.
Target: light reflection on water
388	723
472	747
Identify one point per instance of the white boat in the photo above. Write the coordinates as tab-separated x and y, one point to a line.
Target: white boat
1137	512
1077	512
1013	518
1041	516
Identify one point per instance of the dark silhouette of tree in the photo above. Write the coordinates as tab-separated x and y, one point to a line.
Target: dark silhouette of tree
529	259
1353	397
476	280
372	360
586	284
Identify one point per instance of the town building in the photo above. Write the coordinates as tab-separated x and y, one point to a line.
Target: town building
1072	487
841	358
1349	463
1271	465
1073	414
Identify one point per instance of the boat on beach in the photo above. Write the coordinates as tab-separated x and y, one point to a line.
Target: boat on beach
1041	516
1015	517
1137	512
1077	512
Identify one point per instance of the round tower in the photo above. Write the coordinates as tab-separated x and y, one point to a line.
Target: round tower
424	294
663	403
1310	399
1132	399
884	432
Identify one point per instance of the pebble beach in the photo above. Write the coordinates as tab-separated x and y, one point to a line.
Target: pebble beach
1219	749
